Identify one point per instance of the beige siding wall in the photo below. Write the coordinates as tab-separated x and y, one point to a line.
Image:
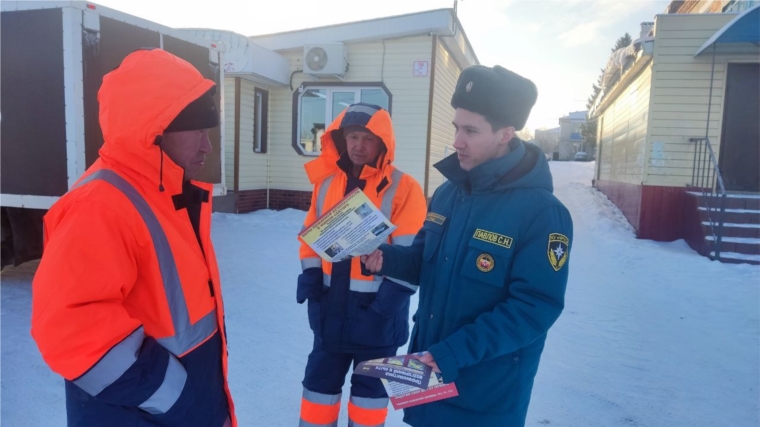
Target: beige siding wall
285	165
447	72
680	92
253	166
622	133
409	106
229	133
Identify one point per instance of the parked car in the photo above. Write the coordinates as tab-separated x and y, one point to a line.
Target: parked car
581	156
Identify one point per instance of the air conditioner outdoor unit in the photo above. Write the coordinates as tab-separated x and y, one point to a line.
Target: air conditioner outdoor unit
325	59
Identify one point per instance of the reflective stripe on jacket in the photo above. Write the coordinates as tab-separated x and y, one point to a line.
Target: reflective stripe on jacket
126	303
376	304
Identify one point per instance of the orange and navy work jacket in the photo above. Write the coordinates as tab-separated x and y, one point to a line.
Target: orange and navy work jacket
401	200
127	304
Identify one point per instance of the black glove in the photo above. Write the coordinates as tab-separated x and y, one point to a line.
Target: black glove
309	284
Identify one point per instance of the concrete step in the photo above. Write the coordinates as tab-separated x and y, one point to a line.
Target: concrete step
733	200
740	234
734	229
742	245
731	195
731	215
737	258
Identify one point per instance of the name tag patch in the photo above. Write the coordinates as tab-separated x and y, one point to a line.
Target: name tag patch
495	238
434	217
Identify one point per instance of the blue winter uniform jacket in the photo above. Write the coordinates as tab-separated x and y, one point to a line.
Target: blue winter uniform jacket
491	261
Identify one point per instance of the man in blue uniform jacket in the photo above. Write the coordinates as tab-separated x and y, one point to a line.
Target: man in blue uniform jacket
491	259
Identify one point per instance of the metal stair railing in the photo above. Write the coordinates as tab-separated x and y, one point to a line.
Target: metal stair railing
706	178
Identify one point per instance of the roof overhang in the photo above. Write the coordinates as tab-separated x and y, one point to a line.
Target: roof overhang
440	22
745	28
90	7
245	59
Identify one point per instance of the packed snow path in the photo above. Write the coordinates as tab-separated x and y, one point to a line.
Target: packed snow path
652	333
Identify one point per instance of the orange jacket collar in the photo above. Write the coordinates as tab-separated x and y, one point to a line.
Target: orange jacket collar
138	100
326	164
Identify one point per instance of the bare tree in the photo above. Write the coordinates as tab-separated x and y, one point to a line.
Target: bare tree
588	129
546	141
525	135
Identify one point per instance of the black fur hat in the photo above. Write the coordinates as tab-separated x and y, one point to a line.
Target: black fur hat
501	96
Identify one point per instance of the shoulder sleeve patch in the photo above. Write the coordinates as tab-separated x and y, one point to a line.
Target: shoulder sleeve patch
558	250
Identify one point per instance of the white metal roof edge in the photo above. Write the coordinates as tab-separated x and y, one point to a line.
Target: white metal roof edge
28	201
10	6
441	22
460	45
246	59
434	21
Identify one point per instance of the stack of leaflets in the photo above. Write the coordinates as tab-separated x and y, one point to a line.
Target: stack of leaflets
407	381
351	228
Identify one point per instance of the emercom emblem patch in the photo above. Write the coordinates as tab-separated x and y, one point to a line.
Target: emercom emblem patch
558	250
485	262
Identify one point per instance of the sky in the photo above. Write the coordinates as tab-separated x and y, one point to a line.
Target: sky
559	44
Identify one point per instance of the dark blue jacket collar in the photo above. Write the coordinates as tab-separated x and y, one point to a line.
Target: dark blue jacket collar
524	166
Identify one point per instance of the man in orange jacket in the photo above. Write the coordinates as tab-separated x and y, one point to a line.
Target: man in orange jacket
355	317
127	304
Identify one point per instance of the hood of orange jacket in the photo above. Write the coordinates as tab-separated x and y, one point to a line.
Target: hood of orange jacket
377	120
137	102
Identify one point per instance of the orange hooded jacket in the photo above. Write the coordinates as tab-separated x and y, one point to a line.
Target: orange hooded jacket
109	286
348	311
397	194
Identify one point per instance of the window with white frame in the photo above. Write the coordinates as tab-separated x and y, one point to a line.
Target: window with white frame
319	105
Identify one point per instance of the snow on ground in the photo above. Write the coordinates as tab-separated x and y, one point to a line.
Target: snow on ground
652	334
